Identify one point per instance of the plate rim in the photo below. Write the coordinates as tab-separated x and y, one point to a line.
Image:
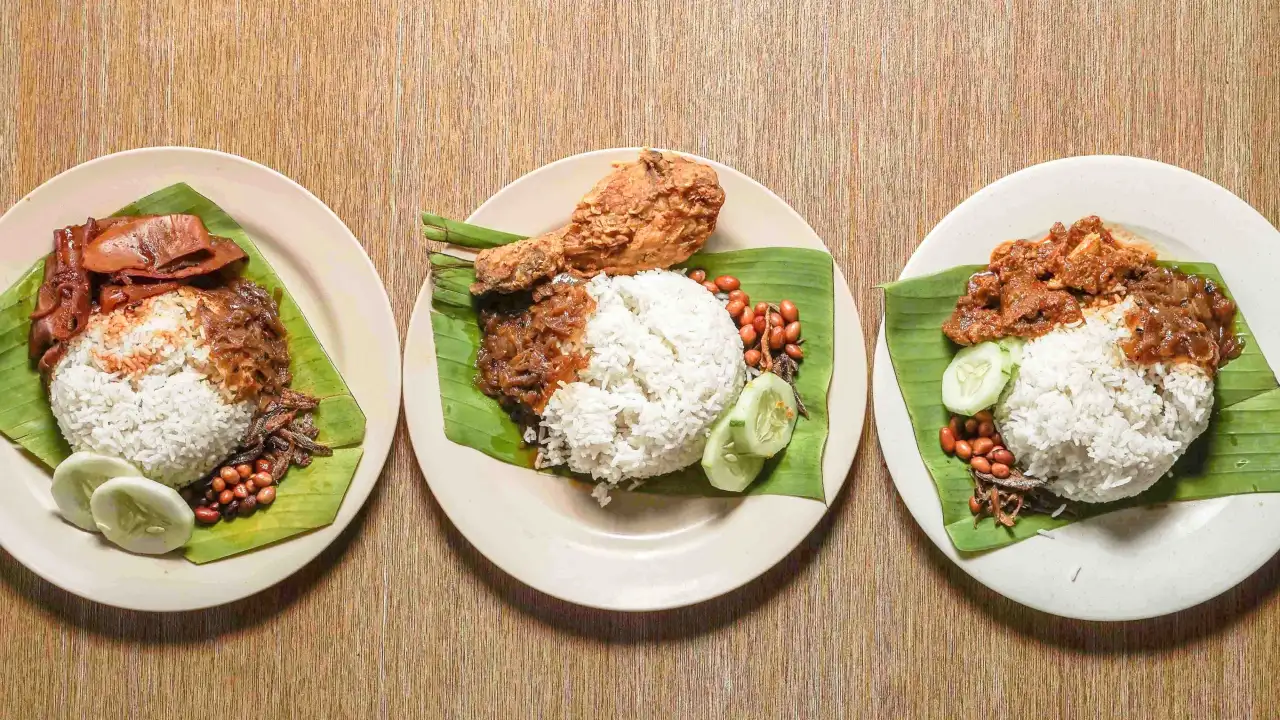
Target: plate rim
374	452
420	322
886	391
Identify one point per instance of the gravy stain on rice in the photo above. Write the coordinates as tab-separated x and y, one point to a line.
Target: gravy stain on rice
134	385
1098	426
665	361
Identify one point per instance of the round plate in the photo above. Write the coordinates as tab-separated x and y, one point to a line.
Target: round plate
1136	563
642	552
312	251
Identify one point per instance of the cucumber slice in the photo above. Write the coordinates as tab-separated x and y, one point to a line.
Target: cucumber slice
75	479
141	516
1013	346
726	467
974	379
764	416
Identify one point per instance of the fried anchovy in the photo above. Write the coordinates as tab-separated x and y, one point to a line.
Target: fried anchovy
1003	499
275	422
304	443
306	426
280	463
1015	481
245	456
294	400
283	432
784	366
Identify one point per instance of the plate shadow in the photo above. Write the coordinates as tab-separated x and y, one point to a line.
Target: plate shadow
160	628
637	627
1167	632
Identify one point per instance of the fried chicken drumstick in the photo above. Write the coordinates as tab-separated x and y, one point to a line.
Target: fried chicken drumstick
651	213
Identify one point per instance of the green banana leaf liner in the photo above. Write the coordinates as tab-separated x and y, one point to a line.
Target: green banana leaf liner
308	498
1239	453
770	274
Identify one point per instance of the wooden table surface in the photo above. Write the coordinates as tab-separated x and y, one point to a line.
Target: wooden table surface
873	119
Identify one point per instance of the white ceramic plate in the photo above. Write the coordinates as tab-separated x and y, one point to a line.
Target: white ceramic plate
642	552
1137	563
337	288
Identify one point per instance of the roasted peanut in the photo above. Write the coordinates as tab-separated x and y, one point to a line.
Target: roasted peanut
947	439
728	283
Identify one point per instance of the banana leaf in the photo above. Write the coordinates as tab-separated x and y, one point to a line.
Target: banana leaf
307	499
773	274
442	229
1239	453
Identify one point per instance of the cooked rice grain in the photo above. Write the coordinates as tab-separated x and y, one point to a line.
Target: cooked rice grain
1095	424
131	386
665	360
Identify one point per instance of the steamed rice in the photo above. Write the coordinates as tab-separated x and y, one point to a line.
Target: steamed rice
1095	424
131	386
665	360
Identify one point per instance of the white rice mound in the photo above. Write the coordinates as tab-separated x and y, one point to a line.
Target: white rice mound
131	386
1095	424
665	360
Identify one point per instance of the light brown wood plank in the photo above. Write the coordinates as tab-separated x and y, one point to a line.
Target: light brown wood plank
873	119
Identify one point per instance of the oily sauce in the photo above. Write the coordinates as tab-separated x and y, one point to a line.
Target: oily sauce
1179	317
249	345
1030	287
528	349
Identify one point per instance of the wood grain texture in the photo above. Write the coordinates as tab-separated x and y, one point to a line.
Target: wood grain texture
873	119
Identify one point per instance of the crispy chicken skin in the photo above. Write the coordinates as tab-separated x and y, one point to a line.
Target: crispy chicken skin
651	213
521	265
